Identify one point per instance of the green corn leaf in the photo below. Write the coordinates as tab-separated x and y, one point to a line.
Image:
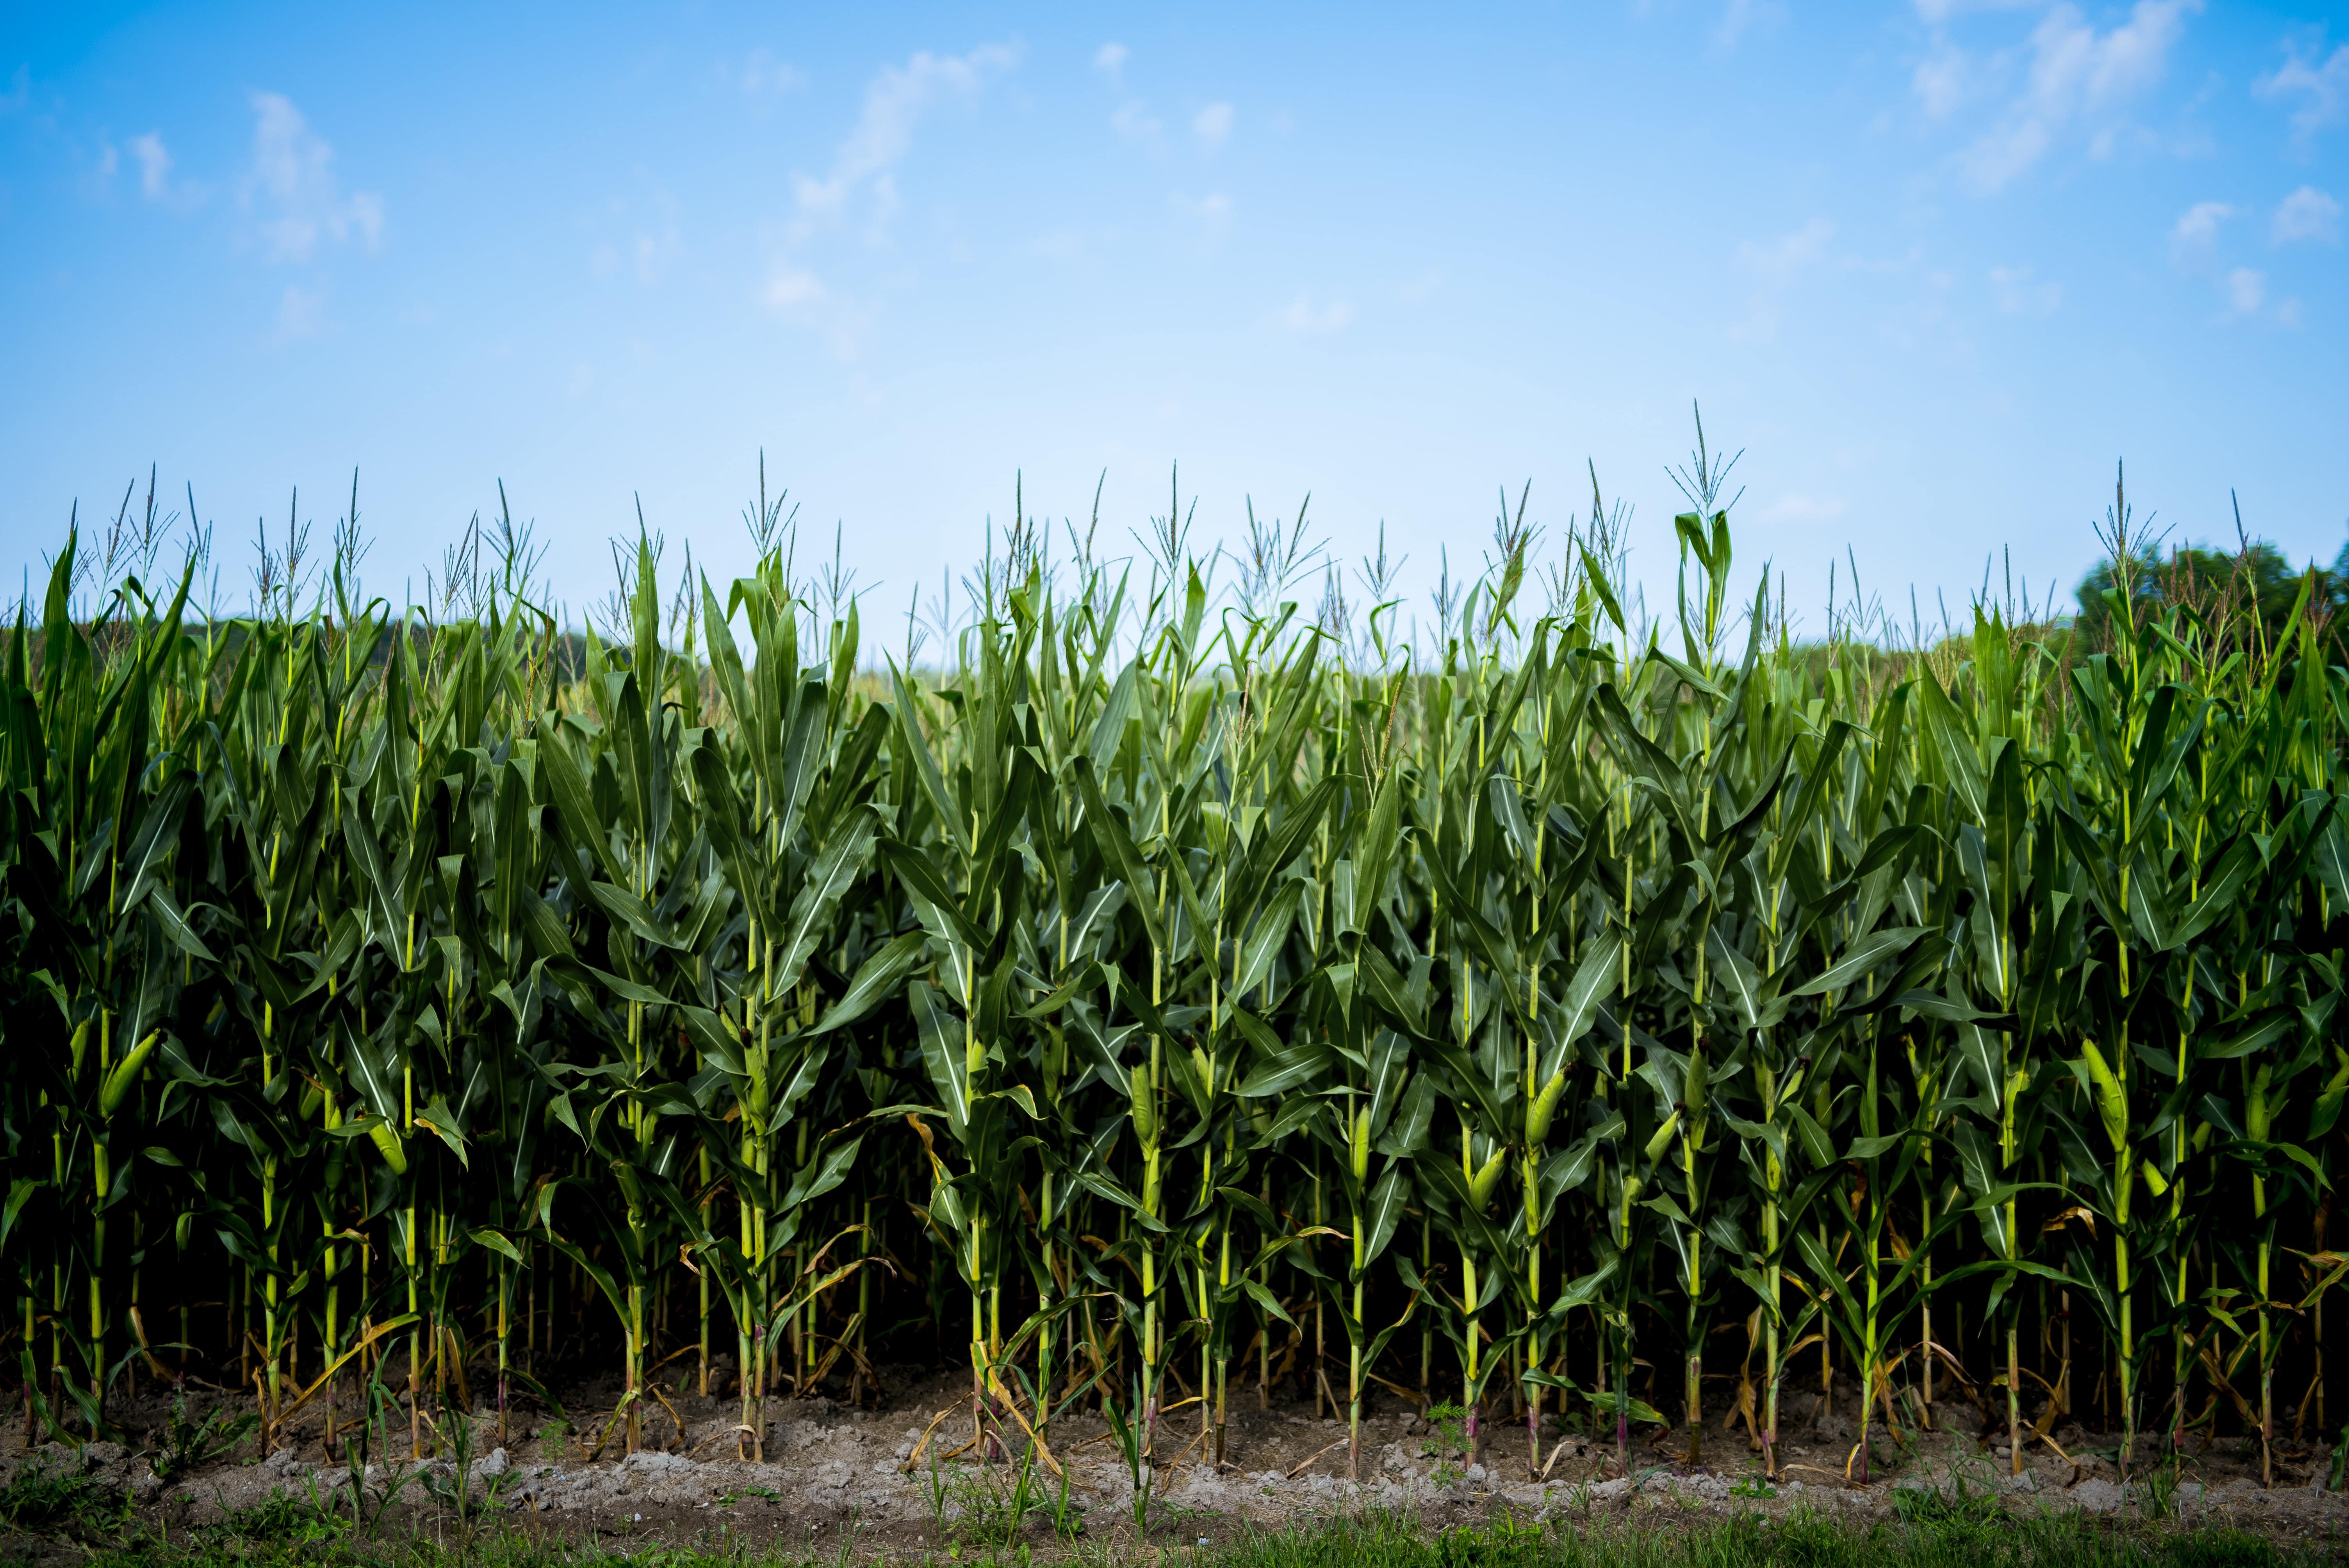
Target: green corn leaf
1117	849
877	978
925	764
1388	1200
1859	958
942	1053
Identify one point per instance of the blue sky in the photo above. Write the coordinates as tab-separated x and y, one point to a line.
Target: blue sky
1934	267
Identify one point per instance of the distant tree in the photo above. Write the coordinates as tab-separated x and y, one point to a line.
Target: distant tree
2251	589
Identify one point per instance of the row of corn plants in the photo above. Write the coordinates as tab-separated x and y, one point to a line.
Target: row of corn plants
1159	984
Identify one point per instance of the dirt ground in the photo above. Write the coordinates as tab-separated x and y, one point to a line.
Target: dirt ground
837	1477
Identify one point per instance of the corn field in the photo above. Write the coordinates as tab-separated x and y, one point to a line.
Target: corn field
1163	995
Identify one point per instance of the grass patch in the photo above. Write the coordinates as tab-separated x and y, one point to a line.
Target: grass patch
282	1519
287	1530
43	1501
187	1444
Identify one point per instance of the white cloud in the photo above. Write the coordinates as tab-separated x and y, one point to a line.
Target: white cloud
1423	286
1936	12
1062	247
2076	74
301	312
2195	243
1740	17
794	294
789	287
763	76
1213	125
2020	293
1802	508
861	185
2195	235
1134	122
883	133
652	247
2324	89
1318	320
2199	223
2006	152
652	253
293	177
797	297
1783	260
1110	58
1943	80
2307	213
154	164
1212	213
1777	265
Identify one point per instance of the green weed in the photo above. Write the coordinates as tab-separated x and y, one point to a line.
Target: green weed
42	1500
190	1445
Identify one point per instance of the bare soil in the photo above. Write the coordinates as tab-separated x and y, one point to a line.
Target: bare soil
834	1476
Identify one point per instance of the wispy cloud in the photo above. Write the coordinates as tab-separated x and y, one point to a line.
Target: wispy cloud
2197	243
894	105
301	315
292	180
2321	92
764	75
1303	315
861	184
1212	213
2307	213
1109	59
649	250
1740	17
2020	292
795	295
1134	122
154	165
2074	75
2194	238
1937	12
1213	125
1783	260
1777	265
788	288
1943	80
